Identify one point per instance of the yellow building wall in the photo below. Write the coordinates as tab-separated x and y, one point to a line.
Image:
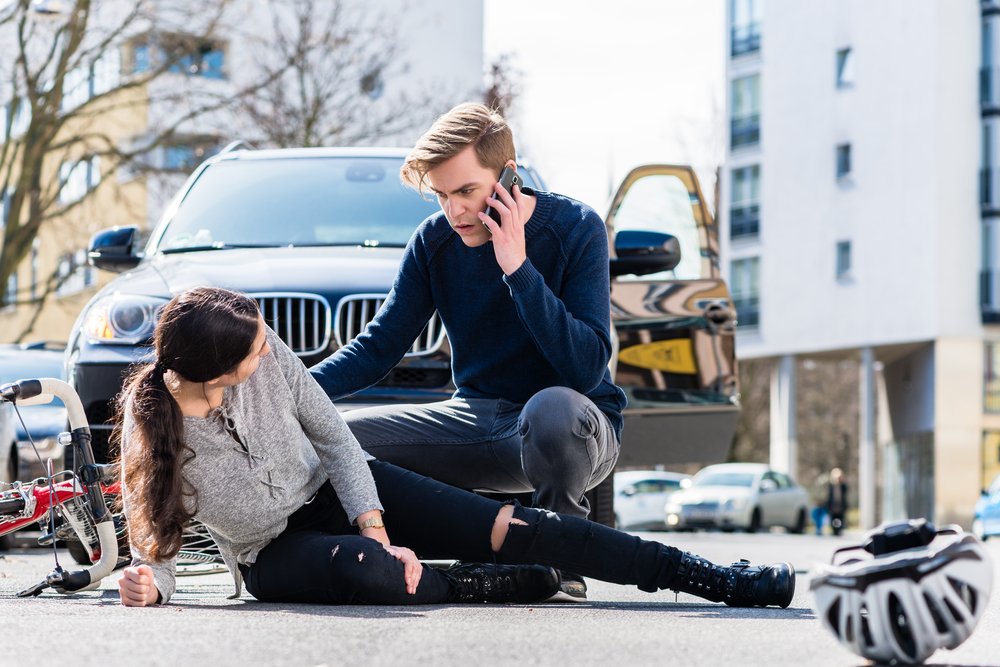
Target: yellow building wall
958	419
118	117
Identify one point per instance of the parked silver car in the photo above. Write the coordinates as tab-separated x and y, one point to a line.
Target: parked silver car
748	496
640	496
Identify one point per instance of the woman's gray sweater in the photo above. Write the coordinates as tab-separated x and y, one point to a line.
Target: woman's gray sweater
293	441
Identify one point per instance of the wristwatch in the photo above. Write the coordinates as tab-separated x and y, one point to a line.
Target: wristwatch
371	522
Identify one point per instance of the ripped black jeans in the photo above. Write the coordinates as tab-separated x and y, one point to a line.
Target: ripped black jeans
321	558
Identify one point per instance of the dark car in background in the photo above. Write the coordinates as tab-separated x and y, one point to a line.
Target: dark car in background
316	236
45	422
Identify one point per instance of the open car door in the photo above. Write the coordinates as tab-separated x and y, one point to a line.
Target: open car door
674	319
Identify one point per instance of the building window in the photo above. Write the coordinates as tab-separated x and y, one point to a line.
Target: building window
744	32
845	68
744	282
187	55
843	260
843	161
744	209
15	118
34	269
78	178
189	154
745	122
991	378
10	293
74	274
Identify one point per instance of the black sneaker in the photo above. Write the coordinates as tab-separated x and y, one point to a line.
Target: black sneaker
739	585
498	584
572	588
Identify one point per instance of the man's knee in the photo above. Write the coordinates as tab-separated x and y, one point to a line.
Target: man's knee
557	414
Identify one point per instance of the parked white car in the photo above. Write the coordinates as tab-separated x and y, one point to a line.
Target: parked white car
640	496
748	496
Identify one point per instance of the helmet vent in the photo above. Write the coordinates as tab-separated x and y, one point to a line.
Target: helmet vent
833	615
966	592
900	625
866	633
935	614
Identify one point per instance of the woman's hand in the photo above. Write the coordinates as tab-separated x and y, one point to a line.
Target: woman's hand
137	587
412	569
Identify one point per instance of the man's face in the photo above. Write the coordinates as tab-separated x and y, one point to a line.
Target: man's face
462	186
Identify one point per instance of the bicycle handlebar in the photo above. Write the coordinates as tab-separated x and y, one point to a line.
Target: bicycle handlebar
39	391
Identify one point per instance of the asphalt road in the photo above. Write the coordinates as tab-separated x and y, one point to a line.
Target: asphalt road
618	626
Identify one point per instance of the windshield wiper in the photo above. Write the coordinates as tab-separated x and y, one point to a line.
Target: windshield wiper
220	246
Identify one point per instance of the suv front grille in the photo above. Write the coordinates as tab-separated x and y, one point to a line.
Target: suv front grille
302	321
354	312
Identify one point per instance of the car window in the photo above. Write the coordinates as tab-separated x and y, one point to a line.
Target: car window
300	201
314	201
725	479
662	203
656	485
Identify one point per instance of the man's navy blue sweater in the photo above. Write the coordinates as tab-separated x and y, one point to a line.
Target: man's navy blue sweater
545	325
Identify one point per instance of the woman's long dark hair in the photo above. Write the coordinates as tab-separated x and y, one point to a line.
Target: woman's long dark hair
202	334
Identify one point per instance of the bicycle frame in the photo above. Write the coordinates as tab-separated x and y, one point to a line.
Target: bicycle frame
22	506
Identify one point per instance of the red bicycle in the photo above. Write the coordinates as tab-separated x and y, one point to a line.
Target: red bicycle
76	505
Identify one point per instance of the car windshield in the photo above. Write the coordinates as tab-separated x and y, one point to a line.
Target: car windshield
725	479
27	365
297	201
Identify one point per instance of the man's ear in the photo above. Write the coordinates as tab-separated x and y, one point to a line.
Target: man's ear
511	164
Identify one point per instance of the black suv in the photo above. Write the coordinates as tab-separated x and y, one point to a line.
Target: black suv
316	236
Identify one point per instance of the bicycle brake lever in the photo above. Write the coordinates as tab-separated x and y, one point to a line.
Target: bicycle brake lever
34	590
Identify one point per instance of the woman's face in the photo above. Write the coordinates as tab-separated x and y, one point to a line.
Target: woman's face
248	366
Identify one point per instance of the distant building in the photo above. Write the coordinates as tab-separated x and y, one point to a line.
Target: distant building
450	72
861	200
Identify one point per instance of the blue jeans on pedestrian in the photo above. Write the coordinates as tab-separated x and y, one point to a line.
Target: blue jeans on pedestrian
819	518
321	558
558	445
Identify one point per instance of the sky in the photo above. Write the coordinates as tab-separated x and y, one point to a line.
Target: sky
607	86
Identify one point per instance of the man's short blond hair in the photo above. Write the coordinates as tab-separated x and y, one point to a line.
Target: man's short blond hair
468	124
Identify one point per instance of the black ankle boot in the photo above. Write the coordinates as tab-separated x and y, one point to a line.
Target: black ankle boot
739	585
476	582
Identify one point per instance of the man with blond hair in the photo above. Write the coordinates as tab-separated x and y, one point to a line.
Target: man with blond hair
526	304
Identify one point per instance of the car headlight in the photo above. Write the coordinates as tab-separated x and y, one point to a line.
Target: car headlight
736	504
125	319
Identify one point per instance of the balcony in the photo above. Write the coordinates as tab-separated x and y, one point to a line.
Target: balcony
989	89
989	295
744	39
747	311
989	189
744	221
744	131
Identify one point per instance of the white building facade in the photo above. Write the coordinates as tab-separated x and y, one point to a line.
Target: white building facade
854	225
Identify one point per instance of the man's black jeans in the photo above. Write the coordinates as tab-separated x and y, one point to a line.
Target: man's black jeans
320	557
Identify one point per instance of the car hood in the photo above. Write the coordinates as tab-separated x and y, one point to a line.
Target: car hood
317	270
704	494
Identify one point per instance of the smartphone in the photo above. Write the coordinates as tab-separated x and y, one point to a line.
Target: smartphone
508	179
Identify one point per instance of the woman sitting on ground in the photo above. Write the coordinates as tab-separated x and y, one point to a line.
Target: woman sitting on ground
228	427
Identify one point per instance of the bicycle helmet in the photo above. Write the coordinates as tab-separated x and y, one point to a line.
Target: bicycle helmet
917	589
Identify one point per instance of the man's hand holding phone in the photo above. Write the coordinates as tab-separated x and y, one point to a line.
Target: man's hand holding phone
507	210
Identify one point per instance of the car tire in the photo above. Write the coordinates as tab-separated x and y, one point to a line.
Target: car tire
800	523
754	525
7	541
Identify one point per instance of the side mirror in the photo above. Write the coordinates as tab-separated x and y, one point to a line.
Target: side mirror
628	491
114	249
686	483
768	485
641	253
